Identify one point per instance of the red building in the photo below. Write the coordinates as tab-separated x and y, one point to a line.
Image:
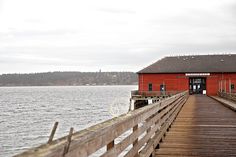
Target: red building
199	74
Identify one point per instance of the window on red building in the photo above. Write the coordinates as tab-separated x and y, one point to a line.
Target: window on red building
150	87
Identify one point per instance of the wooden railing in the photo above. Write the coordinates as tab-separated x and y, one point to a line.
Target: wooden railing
230	96
153	93
136	133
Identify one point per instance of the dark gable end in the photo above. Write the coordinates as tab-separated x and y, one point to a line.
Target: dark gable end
191	64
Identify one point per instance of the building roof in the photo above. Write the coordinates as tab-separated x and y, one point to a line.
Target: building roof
191	64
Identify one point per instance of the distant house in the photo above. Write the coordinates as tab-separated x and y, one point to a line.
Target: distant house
199	74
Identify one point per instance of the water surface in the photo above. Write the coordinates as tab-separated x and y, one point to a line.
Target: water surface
28	113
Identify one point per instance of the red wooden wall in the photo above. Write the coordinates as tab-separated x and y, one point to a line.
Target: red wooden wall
179	82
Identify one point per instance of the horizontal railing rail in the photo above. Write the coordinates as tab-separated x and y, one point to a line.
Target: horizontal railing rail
230	96
153	93
136	133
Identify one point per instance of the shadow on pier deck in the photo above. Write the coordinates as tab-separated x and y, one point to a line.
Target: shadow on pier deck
204	127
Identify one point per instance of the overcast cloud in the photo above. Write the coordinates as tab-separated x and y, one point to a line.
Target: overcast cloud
124	35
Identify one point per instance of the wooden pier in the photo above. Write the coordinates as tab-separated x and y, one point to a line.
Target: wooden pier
179	125
204	127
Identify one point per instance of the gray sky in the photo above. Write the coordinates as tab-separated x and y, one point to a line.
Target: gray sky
122	35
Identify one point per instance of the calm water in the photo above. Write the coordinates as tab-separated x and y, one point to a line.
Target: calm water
27	114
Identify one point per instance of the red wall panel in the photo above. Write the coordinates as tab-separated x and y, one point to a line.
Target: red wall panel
212	84
173	82
179	82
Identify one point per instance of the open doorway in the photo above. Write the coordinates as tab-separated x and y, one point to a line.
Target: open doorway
197	85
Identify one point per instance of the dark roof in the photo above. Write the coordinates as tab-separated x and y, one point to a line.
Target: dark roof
191	64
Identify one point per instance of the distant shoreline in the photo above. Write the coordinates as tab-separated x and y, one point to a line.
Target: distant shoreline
69	79
76	85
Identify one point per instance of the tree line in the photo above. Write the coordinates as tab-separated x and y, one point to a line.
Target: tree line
69	79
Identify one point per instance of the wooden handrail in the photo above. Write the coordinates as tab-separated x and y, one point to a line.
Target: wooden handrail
230	96
149	122
154	93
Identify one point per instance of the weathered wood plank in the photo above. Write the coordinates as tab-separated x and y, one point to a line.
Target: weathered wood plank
227	103
201	129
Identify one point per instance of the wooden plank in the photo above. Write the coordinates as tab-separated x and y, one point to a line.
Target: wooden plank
200	129
227	103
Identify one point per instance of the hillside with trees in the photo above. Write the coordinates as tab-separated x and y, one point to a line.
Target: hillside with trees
69	79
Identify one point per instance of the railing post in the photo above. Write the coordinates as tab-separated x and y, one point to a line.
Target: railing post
53	132
225	86
221	86
136	141
67	146
110	145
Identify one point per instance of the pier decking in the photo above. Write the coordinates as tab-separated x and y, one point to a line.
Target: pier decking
204	127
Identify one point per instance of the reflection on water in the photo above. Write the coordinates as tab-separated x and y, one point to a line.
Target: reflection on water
28	113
